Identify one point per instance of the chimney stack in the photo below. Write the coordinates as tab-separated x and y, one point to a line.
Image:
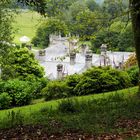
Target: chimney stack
103	49
59	71
72	58
83	48
88	59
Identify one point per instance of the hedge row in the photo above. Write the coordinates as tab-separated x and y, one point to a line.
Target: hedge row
94	80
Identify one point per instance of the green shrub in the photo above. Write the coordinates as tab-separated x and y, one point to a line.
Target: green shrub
97	80
86	86
55	90
94	80
21	64
93	72
23	98
19	91
5	100
71	82
107	82
37	85
1	86
134	74
122	77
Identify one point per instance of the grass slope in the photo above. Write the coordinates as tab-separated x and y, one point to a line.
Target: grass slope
28	110
26	24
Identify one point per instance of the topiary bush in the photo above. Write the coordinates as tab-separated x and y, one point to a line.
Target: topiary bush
55	90
5	100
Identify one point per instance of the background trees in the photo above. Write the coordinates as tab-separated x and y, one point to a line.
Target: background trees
6	30
118	37
93	22
51	26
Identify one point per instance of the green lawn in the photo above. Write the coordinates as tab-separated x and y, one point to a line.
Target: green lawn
99	114
26	24
27	110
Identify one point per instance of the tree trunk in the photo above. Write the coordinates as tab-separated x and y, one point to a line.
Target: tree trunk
135	15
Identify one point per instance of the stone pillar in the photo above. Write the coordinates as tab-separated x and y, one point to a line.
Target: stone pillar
104	56
103	49
120	65
59	71
42	52
72	58
71	46
83	48
104	53
88	59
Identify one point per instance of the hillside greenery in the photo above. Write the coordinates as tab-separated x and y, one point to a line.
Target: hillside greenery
91	102
80	111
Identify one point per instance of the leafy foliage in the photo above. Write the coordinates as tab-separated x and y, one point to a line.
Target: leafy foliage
131	61
6	29
91	22
94	80
5	100
16	92
20	92
134	74
38	84
46	29
71	81
21	64
117	37
39	5
97	80
55	90
86	24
